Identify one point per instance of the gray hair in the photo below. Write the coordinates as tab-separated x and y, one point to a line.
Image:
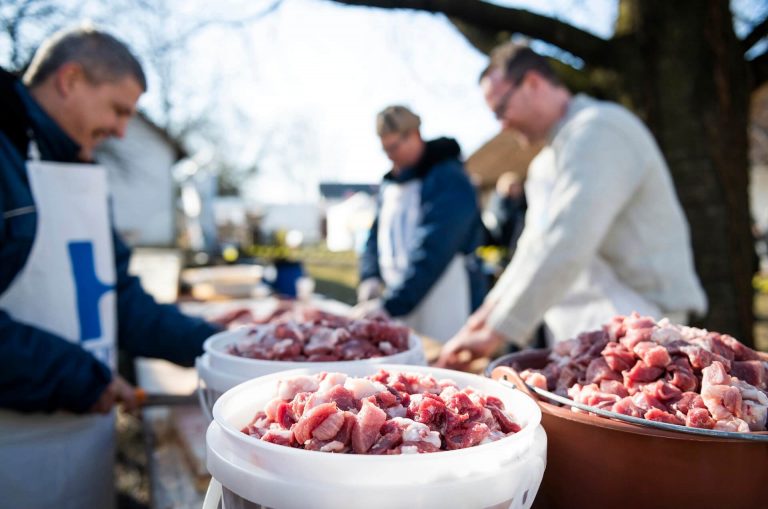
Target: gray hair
103	57
396	119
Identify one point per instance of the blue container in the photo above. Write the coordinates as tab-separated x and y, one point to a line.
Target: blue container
288	273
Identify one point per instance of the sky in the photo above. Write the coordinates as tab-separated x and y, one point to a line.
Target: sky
308	82
298	91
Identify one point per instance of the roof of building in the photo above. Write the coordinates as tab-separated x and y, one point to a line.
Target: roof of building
500	154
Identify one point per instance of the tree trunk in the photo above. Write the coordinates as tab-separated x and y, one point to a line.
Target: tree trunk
689	83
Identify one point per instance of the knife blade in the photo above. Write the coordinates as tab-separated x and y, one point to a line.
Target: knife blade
146	399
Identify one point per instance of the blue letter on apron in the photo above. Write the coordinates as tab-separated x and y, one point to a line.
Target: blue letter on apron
89	289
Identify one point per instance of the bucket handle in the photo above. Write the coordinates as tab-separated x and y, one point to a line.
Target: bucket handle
212	495
202	396
505	374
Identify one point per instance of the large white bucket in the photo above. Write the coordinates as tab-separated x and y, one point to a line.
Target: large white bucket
254	473
219	371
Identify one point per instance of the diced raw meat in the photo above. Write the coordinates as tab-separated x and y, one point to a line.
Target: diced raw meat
279	437
506	424
616	328
535	379
755	415
627	406
598	370
614	387
687	402
752	372
655	414
328	380
617	357
418	432
345	432
440	417
428	409
715	374
652	354
591	395
298	333
646	402
640	373
287	389
333	446
307	423
732	424
329	427
722	399
663	391
366	431
322	341
672	373
362	388
699	418
740	351
460	438
682	374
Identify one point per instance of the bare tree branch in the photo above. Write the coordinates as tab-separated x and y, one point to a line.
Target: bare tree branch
757	33
492	17
240	22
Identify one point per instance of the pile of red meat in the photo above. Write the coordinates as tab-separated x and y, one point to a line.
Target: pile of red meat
662	372
398	413
308	334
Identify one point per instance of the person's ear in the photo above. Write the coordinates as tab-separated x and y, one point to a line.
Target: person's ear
68	77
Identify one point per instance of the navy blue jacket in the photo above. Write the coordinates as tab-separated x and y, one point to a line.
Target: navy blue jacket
40	371
450	224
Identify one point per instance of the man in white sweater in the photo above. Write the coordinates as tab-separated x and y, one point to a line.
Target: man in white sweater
604	234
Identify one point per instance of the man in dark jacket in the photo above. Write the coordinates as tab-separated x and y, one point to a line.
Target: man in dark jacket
504	216
419	262
65	292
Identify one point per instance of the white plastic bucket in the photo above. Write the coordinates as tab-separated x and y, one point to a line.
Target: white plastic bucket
253	473
221	360
219	371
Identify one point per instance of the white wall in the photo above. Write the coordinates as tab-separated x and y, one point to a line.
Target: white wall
139	168
304	217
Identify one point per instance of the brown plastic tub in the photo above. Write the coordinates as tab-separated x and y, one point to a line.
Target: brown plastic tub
594	462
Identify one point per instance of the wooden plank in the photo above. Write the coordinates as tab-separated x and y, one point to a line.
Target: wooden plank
190	426
177	475
173	484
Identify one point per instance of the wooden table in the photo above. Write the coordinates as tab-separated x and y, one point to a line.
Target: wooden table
174	438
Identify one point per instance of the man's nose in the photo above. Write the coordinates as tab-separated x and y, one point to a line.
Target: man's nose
120	128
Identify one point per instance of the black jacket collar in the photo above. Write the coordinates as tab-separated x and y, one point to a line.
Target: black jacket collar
23	116
435	151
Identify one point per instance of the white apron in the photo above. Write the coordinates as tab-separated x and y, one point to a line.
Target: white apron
66	287
597	294
447	305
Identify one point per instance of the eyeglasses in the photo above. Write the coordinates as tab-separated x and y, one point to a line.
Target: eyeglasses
501	107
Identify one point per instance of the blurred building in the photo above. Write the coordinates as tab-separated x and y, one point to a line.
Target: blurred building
349	211
141	182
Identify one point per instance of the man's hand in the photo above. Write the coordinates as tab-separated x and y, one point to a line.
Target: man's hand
230	319
369	289
118	391
369	309
477	320
471	342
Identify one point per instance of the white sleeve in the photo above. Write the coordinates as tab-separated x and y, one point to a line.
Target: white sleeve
598	170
